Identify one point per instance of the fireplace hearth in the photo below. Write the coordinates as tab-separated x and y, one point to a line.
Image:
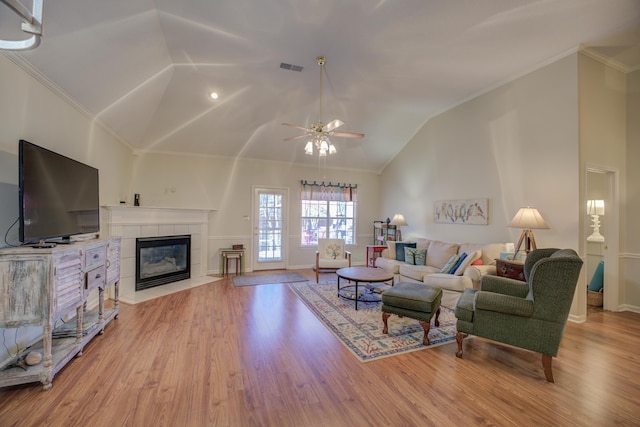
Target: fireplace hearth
162	260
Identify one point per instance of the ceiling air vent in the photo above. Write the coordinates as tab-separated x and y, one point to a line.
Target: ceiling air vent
291	67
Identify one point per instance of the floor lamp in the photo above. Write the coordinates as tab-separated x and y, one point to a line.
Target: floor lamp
527	218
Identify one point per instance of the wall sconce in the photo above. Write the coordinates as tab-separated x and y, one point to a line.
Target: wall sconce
595	208
399	221
527	218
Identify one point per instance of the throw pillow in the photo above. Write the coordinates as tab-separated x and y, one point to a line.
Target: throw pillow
453	269
449	264
400	249
415	256
597	281
468	261
410	255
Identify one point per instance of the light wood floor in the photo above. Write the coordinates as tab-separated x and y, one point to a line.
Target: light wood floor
217	355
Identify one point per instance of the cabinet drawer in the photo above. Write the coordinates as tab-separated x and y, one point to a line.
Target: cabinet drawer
94	257
95	278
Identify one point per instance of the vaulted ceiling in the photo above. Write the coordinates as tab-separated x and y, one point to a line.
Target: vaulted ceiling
145	68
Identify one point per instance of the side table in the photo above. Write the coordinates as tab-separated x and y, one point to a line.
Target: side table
510	269
373	252
226	254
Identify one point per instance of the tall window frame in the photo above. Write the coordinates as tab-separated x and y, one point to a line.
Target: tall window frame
327	211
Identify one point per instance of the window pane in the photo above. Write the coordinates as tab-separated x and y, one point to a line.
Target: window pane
322	219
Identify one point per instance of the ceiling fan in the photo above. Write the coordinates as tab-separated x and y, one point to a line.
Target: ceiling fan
319	132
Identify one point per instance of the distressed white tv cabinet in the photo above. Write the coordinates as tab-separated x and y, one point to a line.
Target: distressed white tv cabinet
43	286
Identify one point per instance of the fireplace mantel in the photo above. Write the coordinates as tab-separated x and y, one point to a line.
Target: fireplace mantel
131	222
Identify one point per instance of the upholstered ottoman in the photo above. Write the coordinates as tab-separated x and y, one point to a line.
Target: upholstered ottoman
413	300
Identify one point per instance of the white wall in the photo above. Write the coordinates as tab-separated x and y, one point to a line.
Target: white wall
29	110
631	248
516	145
226	185
603	144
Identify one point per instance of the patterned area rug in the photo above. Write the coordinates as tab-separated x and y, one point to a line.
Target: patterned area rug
361	331
268	279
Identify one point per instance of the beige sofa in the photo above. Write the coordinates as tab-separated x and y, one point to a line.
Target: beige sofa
437	255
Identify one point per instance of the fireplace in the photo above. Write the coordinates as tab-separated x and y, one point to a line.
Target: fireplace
162	260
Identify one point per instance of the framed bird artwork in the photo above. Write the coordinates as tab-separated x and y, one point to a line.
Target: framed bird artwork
465	211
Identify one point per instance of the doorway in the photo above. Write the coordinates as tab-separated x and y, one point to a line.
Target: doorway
270	229
602	184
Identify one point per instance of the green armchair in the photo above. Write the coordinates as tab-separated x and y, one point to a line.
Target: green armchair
531	314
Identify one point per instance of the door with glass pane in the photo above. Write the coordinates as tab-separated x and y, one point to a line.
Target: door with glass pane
270	231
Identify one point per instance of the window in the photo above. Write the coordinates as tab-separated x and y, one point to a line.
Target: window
324	219
327	211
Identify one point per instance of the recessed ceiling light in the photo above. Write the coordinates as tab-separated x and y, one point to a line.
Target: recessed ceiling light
214	95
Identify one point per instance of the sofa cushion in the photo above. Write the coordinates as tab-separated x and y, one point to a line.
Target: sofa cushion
388	264
416	272
490	251
440	252
391	245
448	281
421	243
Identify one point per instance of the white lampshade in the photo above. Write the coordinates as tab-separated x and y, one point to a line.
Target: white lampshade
398	220
595	207
528	218
308	149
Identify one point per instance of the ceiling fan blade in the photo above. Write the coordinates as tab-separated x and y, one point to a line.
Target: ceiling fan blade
296	126
347	134
333	125
296	137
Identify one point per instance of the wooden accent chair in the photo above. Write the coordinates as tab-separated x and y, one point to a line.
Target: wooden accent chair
532	314
331	255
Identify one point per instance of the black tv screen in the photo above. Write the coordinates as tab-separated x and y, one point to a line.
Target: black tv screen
58	195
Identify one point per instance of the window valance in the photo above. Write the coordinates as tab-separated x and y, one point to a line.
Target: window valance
328	191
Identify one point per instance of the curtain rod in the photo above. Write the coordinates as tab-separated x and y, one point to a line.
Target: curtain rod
323	184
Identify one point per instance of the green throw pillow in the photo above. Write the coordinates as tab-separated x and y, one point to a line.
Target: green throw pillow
410	255
421	256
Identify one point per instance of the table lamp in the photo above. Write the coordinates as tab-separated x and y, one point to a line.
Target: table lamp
595	208
399	221
527	218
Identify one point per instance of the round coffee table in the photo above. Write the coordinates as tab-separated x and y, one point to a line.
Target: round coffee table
363	274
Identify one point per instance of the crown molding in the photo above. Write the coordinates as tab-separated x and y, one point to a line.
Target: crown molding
36	74
610	62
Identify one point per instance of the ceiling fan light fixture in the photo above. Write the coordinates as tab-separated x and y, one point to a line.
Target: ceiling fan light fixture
320	131
308	149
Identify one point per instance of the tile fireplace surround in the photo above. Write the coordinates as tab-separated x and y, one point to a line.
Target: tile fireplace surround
131	222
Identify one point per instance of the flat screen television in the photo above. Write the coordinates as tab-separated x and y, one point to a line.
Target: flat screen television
58	196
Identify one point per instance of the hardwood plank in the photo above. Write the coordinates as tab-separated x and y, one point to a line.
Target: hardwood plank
217	355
